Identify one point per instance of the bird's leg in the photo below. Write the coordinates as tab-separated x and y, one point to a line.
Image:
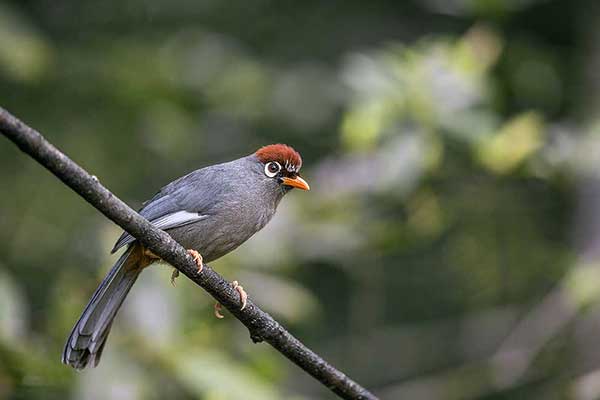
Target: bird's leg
243	299
149	257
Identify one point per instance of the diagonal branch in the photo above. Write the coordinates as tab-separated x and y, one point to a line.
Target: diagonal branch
261	325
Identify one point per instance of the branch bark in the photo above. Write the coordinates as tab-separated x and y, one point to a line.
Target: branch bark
261	325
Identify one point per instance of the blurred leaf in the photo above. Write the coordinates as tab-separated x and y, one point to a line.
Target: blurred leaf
517	140
363	125
24	53
583	285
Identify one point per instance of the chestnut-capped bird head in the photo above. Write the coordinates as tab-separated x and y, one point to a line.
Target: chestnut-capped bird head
281	166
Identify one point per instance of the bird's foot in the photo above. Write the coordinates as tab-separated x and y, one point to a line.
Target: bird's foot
243	299
218	308
242	292
174	276
197	257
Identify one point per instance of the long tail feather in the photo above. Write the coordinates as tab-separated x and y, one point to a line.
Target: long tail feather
89	334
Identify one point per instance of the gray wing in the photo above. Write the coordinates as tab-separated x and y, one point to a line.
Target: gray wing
183	201
168	221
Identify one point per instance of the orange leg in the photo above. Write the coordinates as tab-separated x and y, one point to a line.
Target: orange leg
243	299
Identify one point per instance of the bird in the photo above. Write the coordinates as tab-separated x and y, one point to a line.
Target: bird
210	211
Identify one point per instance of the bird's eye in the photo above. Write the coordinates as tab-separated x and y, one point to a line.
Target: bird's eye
272	168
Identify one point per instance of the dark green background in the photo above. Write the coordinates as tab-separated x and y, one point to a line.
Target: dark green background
448	249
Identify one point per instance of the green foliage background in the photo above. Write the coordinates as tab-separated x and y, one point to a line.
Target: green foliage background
448	249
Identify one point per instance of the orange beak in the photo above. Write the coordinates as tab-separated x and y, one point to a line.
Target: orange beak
296	182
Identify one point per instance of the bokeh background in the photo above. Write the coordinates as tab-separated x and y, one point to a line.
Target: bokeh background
450	246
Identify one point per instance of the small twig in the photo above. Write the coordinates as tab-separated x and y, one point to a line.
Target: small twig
261	325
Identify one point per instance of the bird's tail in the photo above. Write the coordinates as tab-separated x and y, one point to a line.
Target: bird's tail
89	334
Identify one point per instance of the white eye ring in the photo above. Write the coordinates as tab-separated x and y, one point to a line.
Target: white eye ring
272	168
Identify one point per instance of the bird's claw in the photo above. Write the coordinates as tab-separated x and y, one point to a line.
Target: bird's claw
218	308
197	257
243	299
174	276
242	292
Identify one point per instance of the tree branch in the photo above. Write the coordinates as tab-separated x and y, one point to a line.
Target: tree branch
261	325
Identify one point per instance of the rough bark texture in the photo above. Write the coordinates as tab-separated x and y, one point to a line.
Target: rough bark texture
261	325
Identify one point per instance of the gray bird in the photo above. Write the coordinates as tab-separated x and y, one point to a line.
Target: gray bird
210	211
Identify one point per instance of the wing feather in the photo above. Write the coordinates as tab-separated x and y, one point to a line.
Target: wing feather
168	221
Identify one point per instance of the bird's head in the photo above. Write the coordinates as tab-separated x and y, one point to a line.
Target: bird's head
282	164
